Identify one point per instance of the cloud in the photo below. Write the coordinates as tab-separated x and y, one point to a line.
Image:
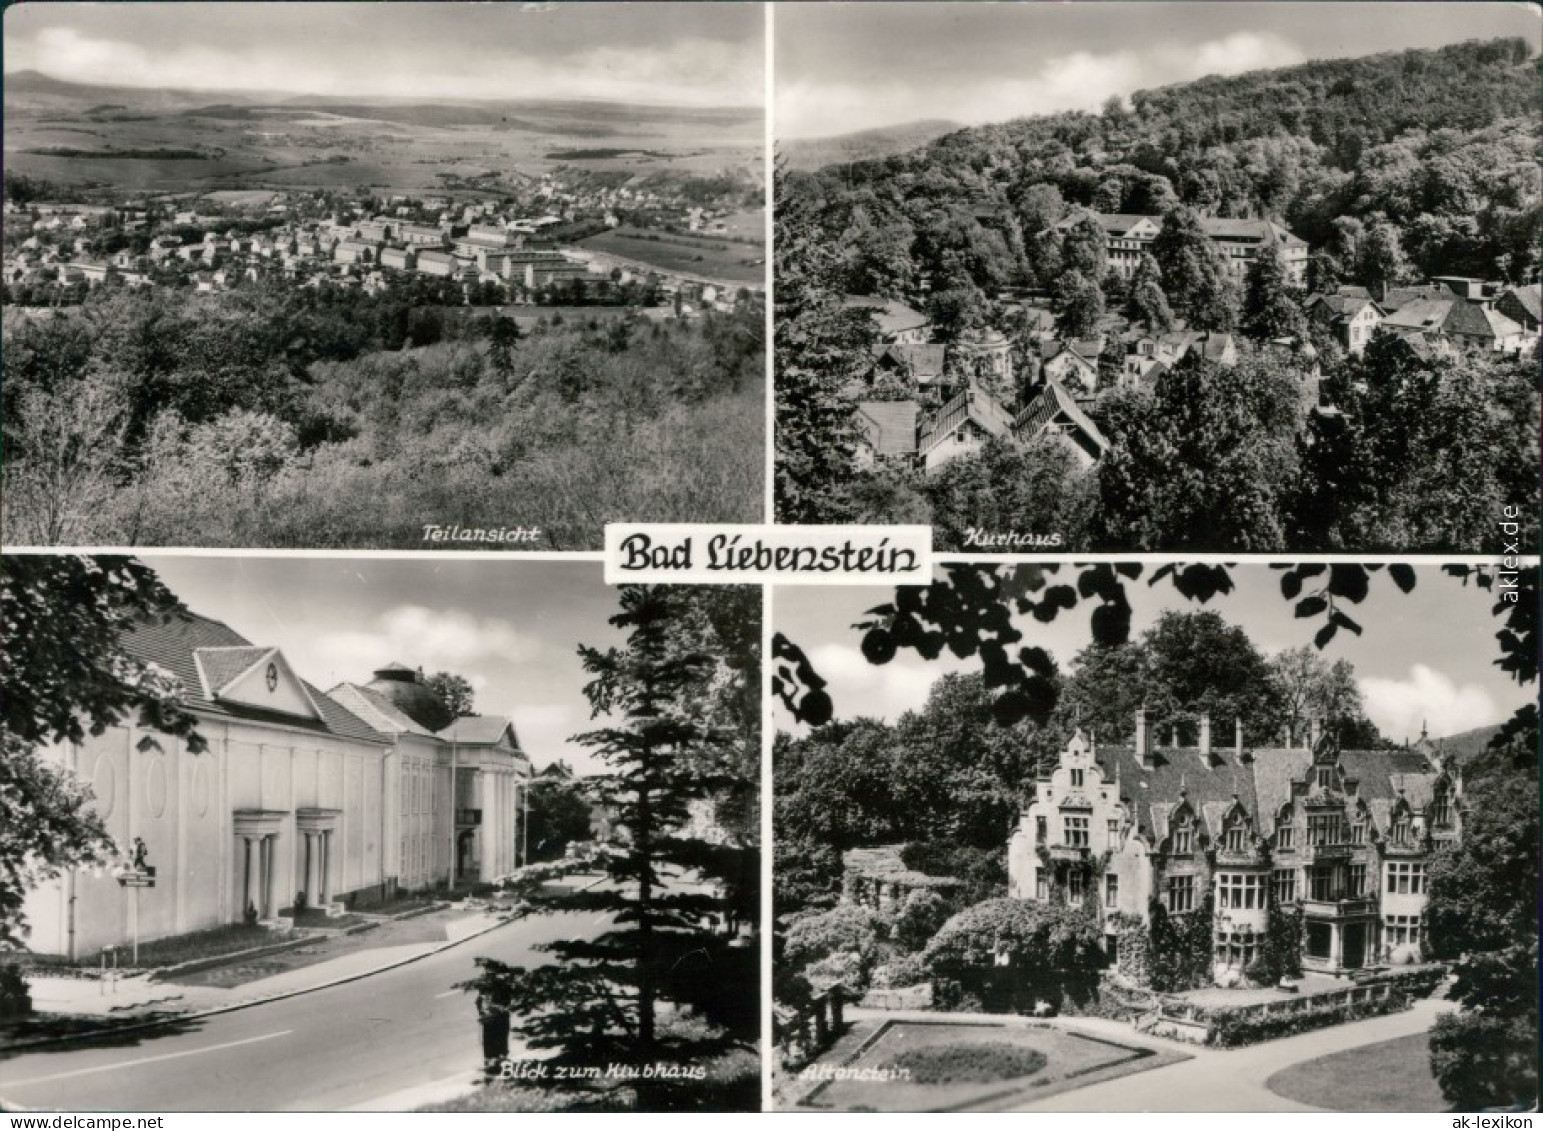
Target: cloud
435	639
1427	698
1081	80
690	71
860	688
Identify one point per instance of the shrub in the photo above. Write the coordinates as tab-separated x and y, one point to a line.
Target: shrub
968	1063
15	1001
1231	1028
901	971
919	919
843	929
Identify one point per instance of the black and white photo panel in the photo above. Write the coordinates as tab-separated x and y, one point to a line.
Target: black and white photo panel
1056	837
1173	277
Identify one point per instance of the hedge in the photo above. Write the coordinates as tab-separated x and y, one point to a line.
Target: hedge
1249	1025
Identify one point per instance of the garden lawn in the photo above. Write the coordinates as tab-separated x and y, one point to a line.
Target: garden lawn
1071	1060
1390	1076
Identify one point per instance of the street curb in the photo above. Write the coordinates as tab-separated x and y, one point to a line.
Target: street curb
233	1006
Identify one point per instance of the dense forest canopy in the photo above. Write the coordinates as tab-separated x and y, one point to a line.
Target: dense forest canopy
277	416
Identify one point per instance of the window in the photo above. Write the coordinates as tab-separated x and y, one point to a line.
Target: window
1076	885
1237	838
1076	778
1323	828
1325	882
1111	889
1236	948
1039	886
1181	894
1183	838
1325	777
1357	886
1406	878
1236	891
1285	881
1358	832
1076	831
1286	837
1402	930
1040	835
1441	809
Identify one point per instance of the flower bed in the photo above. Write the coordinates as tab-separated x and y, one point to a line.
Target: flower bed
976	1063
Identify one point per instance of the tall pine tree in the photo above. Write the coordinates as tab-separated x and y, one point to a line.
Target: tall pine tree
598	1005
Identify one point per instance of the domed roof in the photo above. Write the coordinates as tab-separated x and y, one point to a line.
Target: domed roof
410	695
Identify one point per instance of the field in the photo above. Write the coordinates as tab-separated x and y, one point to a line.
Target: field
331	143
695	254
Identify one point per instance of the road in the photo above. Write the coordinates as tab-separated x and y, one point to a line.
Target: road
324	1051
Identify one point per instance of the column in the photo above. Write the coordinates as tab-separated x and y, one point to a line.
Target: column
1336	945
310	869
249	882
326	868
270	868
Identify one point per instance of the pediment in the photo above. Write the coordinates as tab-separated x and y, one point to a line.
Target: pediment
260	678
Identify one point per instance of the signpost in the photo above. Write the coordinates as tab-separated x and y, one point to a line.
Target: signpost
137	875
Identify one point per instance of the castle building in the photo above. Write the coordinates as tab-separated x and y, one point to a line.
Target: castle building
1342	835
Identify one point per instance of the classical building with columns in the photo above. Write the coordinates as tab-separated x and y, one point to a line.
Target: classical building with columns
302	799
1342	835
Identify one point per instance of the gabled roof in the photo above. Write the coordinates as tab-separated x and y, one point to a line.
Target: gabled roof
925	362
376	710
1177	773
891	315
220	666
173	645
480	730
1344	306
888	426
970	403
1530	298
1053	406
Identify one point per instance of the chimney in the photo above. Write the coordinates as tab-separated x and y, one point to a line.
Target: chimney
1314	730
1205	737
1237	738
1143	743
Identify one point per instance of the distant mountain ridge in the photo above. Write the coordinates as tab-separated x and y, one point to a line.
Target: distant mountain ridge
35	90
864	145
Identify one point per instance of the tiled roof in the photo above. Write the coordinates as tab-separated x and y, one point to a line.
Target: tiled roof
1249	231
924	361
890	426
222	665
891	315
1050	401
376	710
884	863
1530	299
480	730
970	403
1261	780
172	645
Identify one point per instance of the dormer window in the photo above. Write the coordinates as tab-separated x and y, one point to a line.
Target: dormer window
1441	808
1183	839
1237	838
1325	777
1402	830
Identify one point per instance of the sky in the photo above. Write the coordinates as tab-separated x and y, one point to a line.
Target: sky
851	66
657	53
511	627
1425	658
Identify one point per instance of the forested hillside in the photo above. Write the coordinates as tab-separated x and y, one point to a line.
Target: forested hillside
273	417
1442	144
1281	433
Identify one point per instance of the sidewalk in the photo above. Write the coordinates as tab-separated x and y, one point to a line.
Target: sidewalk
139	998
